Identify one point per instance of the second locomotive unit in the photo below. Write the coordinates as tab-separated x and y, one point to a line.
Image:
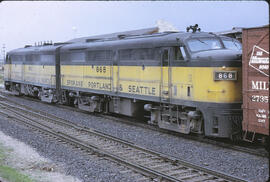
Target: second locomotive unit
185	82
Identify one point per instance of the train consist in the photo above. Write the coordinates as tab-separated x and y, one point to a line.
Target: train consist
188	82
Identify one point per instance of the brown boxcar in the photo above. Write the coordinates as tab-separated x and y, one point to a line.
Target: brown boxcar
256	83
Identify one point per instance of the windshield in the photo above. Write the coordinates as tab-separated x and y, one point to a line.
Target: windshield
203	44
232	44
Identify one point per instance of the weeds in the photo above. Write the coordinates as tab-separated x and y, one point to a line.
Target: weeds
9	173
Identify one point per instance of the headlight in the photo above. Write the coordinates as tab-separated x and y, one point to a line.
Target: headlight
225	75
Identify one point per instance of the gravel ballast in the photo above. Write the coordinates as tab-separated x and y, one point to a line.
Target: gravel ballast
239	164
75	163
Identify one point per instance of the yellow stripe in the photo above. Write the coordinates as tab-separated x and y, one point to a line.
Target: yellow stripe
37	74
150	81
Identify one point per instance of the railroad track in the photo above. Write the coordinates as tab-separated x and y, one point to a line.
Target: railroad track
244	147
153	166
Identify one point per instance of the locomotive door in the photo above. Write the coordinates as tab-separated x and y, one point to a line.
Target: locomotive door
115	73
165	89
57	74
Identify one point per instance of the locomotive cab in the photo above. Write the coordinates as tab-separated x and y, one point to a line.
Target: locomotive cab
217	83
203	87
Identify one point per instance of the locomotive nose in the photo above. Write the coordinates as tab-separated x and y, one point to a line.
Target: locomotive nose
223	54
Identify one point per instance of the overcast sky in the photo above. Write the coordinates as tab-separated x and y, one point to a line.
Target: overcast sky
24	23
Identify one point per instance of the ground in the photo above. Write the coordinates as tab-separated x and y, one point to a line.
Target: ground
21	163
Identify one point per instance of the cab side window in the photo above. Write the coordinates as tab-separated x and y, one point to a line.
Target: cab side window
178	54
165	57
17	59
8	59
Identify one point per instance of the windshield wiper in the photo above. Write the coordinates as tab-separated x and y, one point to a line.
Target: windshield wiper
236	45
202	41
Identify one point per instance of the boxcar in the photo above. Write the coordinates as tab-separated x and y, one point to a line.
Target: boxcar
256	83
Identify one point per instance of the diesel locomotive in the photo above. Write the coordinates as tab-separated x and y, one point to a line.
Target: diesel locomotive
188	82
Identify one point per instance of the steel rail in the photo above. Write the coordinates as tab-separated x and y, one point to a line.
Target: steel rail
257	152
92	148
86	146
22	118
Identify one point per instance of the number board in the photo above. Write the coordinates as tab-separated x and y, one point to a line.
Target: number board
225	75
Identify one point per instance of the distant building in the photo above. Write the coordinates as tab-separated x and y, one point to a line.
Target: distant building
236	33
162	26
116	35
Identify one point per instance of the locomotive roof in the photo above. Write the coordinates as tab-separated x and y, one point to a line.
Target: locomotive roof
34	49
153	40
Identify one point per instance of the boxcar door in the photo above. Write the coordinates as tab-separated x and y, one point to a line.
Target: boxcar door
165	89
